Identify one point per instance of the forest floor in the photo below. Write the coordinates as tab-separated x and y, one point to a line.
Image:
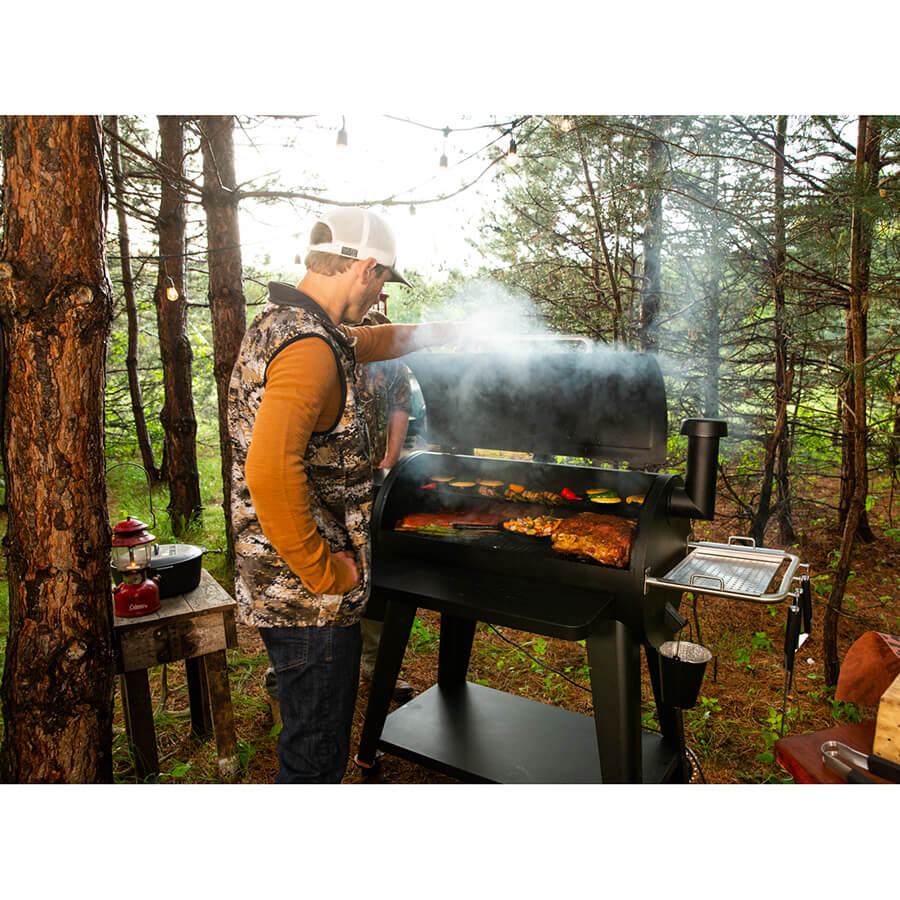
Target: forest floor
730	733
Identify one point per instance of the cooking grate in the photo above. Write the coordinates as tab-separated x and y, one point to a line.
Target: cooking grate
732	570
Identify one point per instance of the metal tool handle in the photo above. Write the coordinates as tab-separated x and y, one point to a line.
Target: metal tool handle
791	636
884	768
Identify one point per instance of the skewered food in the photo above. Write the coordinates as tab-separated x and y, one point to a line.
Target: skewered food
606	539
537	526
635	498
514	493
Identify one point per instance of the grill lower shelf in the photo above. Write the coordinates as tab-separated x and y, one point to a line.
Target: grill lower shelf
475	733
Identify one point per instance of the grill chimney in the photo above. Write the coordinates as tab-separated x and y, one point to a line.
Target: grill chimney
697	499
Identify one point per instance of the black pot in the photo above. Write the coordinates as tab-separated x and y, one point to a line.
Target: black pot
178	567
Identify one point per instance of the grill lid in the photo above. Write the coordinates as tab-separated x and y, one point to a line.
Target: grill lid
605	404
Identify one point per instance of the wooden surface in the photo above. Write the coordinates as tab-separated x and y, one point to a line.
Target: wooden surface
800	755
887	724
196	627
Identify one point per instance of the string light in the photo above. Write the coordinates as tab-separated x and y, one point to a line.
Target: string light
412	209
566	124
512	155
171	290
342	134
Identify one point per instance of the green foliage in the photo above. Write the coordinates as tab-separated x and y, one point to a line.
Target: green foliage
421	638
761	641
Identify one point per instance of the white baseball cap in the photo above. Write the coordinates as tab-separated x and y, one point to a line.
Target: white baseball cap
359	233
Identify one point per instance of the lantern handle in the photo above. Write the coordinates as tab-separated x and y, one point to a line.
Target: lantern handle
149	486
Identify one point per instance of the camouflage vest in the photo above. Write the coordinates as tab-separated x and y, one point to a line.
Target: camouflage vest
338	470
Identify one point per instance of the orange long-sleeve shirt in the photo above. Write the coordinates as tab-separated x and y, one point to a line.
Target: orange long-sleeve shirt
302	395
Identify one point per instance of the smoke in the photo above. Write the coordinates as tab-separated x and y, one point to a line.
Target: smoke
498	313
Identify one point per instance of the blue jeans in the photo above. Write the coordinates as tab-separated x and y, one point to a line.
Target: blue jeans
317	671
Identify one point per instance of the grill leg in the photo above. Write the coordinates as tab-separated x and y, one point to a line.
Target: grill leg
398	620
614	657
455	649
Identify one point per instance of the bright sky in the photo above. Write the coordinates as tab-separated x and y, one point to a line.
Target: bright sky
383	158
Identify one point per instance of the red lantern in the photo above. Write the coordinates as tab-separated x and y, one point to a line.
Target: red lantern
132	550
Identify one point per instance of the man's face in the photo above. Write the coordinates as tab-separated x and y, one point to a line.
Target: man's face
369	295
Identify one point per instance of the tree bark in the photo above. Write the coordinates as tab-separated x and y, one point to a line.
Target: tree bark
56	310
855	525
177	415
145	445
226	291
653	234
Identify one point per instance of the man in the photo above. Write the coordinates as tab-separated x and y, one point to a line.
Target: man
302	480
384	389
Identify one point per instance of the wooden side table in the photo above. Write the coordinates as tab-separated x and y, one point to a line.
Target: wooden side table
800	755
197	627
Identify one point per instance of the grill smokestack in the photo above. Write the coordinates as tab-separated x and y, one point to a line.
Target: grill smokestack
697	499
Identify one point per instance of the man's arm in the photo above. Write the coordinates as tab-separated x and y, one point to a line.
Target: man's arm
377	342
298	383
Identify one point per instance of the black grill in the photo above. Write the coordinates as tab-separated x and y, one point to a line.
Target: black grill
604	406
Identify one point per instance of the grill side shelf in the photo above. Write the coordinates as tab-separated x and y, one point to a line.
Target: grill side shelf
736	572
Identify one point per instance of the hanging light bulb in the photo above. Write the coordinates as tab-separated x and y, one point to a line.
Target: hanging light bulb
566	124
171	290
443	162
512	155
342	134
412	209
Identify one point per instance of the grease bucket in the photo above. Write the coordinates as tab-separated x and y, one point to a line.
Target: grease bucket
681	668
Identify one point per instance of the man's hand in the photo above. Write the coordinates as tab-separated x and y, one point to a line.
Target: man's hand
347	557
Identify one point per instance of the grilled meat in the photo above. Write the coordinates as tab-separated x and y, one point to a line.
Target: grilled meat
606	539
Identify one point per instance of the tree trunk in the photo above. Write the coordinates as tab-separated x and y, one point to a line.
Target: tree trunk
775	465
855	525
713	299
652	287
177	415
226	290
854	463
56	310
131	359
616	314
